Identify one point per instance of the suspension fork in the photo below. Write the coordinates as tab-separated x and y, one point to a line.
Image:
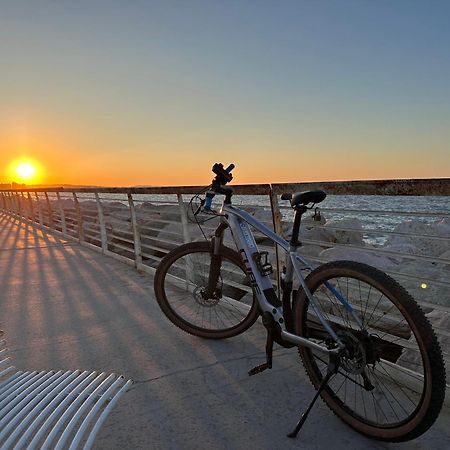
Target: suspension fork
216	259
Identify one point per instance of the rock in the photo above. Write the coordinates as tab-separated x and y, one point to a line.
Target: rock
425	290
64	203
261	214
314	220
318	234
421	269
401	247
174	232
421	245
347	237
440	320
123	215
109	207
119	232
445	266
310	250
89	205
91	233
441	227
359	255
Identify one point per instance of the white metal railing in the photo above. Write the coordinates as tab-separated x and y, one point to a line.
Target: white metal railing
140	225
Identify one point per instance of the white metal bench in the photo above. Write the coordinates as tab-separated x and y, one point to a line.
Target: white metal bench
55	409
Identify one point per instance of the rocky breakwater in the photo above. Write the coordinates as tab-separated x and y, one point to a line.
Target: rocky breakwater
161	229
160	226
417	254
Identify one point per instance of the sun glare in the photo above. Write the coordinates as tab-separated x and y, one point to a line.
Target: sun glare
24	171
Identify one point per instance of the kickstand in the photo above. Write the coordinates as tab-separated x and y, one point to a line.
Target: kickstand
269	324
333	366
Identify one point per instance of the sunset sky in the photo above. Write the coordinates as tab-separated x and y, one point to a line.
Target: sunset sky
154	92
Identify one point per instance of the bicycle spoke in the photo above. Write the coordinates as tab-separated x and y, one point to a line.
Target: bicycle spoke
391	401
189	277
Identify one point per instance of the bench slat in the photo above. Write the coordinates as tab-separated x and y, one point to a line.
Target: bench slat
15	383
63	409
105	413
22	403
38	402
70	394
113	391
88	401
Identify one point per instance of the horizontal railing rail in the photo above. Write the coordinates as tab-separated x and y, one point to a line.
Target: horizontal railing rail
407	237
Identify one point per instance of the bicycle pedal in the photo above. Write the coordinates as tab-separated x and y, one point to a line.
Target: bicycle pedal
258	369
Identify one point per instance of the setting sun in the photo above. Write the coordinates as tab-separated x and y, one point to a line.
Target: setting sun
24	171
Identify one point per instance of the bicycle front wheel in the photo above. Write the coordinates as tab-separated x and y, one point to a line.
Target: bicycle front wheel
181	283
391	384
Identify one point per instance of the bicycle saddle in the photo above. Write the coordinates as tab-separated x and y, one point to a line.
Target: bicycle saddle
303	198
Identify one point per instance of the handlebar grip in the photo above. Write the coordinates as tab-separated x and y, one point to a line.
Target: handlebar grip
230	168
208	201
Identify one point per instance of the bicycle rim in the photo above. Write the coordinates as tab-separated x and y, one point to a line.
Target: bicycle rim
387	387
182	293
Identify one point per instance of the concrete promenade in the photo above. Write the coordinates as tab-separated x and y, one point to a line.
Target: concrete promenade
65	306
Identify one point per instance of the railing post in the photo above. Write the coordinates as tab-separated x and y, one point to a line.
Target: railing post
184	219
101	221
22	205
137	237
62	214
41	220
12	203
190	268
30	202
3	200
278	228
19	205
8	202
50	211
79	217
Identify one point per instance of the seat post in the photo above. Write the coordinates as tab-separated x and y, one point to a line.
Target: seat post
299	211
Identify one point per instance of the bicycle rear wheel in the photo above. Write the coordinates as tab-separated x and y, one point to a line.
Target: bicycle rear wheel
391	386
181	283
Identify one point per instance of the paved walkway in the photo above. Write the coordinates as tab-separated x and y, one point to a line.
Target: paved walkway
65	306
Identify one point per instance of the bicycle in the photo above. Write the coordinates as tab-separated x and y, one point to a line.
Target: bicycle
366	345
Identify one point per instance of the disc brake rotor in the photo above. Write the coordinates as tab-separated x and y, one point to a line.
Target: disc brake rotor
202	299
356	360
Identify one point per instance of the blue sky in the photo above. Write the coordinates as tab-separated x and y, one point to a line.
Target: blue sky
288	90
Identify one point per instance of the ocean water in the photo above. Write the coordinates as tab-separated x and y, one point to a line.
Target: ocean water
376	212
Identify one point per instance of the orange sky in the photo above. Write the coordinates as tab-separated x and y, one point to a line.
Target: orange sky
152	94
71	160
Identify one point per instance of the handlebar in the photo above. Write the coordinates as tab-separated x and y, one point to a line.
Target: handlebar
223	176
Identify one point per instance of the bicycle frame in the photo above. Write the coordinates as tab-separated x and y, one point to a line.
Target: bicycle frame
239	222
